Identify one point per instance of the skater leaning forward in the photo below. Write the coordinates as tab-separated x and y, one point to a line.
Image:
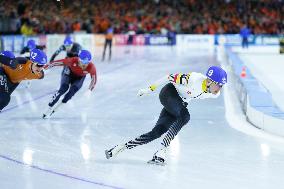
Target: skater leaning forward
71	81
14	70
177	91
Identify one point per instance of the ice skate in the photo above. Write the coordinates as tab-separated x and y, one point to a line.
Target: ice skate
51	110
47	113
115	150
159	158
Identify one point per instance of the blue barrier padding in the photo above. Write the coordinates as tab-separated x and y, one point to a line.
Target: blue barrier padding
259	97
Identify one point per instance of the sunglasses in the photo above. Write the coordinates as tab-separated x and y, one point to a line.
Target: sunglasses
219	84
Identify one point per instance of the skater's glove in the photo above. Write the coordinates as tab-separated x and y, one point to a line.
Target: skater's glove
48	65
142	92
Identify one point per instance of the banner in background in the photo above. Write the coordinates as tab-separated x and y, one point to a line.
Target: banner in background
267	39
53	42
90	41
8	43
138	40
160	40
87	41
16	43
120	39
99	39
195	41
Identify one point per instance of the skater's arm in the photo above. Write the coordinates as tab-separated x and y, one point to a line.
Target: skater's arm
56	53
93	74
25	50
181	79
60	62
12	62
164	80
21	60
7	61
93	82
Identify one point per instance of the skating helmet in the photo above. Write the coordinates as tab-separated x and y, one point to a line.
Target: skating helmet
85	56
38	56
31	44
217	74
9	54
68	41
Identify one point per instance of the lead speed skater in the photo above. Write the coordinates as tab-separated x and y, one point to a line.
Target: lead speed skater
178	90
71	80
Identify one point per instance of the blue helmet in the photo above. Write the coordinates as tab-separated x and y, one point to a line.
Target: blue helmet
9	54
31	44
38	56
68	40
217	74
85	56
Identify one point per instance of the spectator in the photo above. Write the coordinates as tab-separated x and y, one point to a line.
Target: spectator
245	32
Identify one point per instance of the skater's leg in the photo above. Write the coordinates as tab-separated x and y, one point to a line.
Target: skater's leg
75	86
64	86
162	125
160	156
174	109
110	49
6	89
177	108
4	100
182	120
104	51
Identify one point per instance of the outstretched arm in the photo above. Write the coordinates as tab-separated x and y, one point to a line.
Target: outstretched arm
181	79
60	62
25	50
61	48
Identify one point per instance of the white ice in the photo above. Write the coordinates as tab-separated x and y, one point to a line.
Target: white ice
67	151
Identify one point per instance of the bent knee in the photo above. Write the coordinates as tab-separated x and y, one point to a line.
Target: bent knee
184	116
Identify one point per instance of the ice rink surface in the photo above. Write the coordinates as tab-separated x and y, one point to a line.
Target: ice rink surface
67	151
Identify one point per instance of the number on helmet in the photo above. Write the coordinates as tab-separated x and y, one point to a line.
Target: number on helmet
33	55
210	72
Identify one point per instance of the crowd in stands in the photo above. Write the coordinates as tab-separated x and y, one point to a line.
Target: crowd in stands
141	16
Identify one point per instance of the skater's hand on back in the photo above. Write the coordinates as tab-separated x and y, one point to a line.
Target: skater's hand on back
13	64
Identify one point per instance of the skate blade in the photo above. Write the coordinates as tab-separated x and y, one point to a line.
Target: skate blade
153	162
44	116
